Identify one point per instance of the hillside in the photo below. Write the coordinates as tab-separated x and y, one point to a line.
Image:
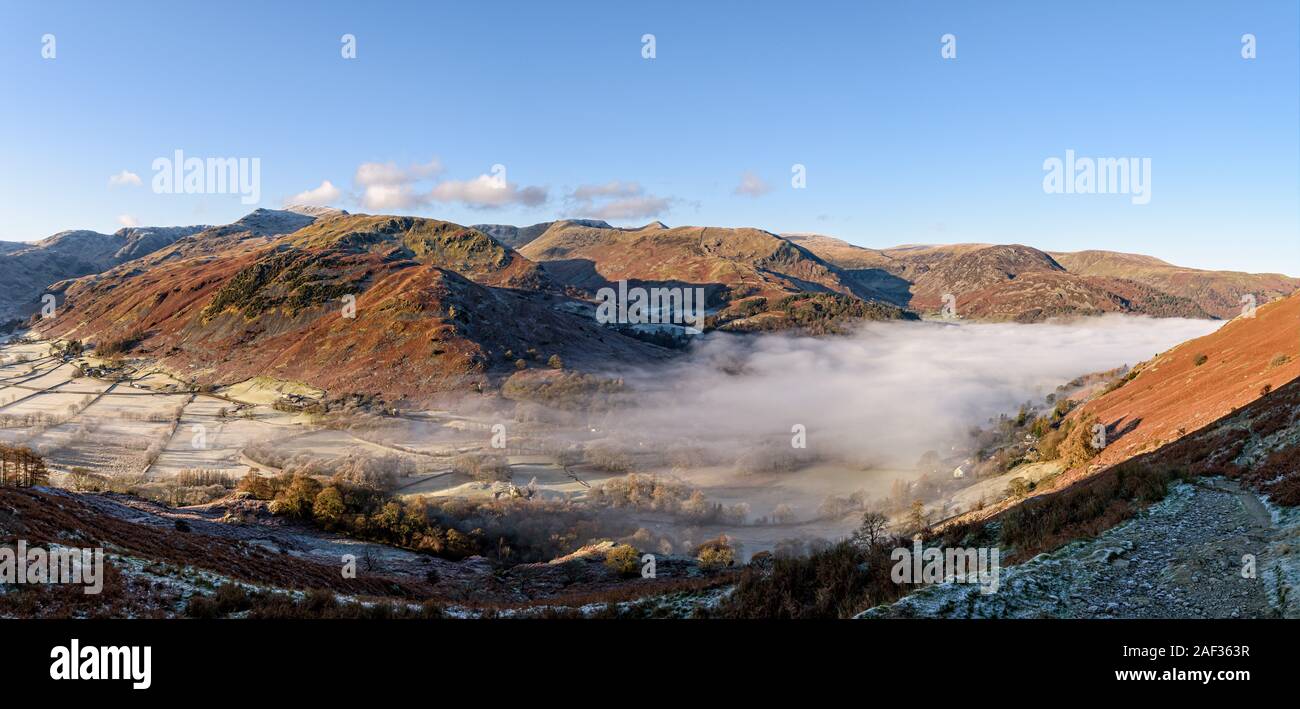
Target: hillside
438	307
26	269
1021	283
748	274
516	237
1218	293
1013	282
1222	404
1199	382
169	562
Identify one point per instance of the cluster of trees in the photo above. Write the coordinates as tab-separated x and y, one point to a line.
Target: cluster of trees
812	313
69	348
21	467
119	345
564	389
361	512
610	458
835	581
770	457
484	467
203	477
509	530
194	486
654	494
232	598
379	472
29	420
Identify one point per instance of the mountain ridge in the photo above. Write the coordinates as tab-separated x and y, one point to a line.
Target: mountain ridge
1090	282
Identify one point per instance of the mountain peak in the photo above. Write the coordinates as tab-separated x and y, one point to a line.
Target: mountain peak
318	212
263	221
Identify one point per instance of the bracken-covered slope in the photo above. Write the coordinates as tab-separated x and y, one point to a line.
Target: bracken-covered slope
1222	404
1199	381
757	279
1016	282
1218	293
165	561
438	307
516	237
1013	282
730	263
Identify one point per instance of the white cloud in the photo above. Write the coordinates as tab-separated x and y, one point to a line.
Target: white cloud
617	200
613	188
632	208
752	185
123	178
322	196
127	220
388	173
388	197
486	192
386	186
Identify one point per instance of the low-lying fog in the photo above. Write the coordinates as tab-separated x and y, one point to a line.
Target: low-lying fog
888	393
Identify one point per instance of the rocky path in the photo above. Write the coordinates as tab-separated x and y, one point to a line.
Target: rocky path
1181	558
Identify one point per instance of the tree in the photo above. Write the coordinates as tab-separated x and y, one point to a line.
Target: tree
328	507
873	528
21	467
916	517
256	485
555	362
297	498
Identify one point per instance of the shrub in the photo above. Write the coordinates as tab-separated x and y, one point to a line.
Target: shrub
482	466
1077	447
837	581
623	560
1200	359
715	554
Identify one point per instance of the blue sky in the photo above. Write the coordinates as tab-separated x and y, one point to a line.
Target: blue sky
900	145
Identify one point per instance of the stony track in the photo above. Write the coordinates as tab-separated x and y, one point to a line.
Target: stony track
1181	558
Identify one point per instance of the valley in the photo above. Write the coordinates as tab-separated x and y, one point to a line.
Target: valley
310	377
